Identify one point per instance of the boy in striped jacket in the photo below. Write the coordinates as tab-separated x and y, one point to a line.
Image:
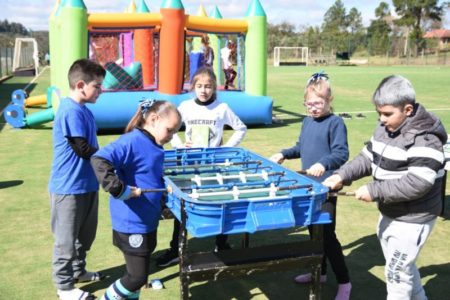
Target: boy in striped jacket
405	157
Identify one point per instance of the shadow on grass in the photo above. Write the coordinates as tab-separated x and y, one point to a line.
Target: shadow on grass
10	183
436	286
111	275
293	117
446	209
365	255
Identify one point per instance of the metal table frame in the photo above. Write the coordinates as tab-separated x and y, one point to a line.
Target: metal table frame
201	266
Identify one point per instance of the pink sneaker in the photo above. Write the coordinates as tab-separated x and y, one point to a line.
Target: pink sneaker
344	291
307	278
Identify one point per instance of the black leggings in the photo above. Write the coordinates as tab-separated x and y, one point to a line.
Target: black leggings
137	272
137	258
332	246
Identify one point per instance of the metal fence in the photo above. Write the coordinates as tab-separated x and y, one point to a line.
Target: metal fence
6	61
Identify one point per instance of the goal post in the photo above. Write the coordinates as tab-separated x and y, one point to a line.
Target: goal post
26	57
290	56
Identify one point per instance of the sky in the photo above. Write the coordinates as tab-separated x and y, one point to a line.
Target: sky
33	14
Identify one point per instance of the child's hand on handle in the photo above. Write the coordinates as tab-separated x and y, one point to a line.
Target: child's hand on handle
188	144
334	182
363	194
135	192
277	158
316	170
130	192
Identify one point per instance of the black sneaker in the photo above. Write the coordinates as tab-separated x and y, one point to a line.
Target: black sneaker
169	258
223	247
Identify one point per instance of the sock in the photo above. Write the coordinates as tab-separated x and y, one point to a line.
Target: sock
117	291
135	295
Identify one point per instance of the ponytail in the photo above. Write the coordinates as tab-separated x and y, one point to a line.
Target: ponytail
147	106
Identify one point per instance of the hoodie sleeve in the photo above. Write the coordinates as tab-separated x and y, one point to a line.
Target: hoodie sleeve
359	167
424	159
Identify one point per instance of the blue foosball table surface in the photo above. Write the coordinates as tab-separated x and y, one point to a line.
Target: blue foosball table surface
233	190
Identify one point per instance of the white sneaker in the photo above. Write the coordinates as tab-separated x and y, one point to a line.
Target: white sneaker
74	294
307	278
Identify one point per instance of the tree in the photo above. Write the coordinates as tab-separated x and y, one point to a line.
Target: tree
379	30
342	31
356	29
382	10
414	14
281	35
334	27
313	39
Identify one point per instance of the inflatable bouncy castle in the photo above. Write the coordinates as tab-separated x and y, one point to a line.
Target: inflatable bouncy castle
151	55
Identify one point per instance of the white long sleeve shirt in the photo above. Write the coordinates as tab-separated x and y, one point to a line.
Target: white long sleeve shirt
205	123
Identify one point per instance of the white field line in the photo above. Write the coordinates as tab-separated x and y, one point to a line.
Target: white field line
363	111
35	78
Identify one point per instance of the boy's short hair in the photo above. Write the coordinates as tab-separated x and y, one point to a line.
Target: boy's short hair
86	70
394	90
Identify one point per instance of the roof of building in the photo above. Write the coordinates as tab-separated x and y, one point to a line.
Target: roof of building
437	33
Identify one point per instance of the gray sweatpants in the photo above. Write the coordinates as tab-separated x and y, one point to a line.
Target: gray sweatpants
401	243
74	225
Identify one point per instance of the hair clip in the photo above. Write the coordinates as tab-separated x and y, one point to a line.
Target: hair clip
321	75
146	104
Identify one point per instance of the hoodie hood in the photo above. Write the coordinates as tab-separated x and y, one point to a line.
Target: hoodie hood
423	123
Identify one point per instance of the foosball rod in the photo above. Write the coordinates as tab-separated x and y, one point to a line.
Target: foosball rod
242	176
194	151
341	193
169	172
236	192
224	164
231	185
205	159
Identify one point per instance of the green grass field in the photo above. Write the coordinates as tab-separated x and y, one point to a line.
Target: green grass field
25	159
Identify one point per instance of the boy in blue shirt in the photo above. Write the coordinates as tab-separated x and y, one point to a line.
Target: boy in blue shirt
73	186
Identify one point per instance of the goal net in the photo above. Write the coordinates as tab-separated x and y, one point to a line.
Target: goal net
290	56
26	57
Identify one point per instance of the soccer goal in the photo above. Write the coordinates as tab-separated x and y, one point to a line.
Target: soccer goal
26	57
290	56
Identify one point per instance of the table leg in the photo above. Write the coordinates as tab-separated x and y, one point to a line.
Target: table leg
182	248
315	288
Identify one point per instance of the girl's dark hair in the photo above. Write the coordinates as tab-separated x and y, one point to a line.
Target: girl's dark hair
205	71
160	107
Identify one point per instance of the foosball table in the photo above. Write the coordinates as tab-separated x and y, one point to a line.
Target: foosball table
215	191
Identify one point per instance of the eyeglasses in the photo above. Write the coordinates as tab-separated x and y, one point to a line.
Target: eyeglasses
317	104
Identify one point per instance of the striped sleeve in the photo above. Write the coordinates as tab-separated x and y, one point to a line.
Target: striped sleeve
422	164
359	167
425	162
